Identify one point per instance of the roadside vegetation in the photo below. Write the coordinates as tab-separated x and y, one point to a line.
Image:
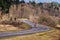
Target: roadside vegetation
59	21
25	26
46	20
13	26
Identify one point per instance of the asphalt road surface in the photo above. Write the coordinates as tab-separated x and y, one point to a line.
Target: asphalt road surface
35	29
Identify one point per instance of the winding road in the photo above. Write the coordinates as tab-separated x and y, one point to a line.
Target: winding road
38	28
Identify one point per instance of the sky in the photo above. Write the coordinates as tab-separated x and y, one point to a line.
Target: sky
44	1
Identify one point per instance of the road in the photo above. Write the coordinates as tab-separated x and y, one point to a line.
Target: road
38	28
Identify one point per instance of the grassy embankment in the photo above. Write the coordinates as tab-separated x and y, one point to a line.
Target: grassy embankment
11	28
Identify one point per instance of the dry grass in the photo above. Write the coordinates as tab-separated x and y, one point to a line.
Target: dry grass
8	28
58	26
51	35
26	26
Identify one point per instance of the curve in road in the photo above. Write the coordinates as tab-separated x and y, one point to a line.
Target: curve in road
38	28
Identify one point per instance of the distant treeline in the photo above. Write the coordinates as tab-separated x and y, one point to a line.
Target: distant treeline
5	4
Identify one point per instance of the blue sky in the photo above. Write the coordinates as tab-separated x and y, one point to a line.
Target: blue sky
45	1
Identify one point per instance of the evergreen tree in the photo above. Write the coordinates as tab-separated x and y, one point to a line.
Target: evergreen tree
5	4
22	1
32	2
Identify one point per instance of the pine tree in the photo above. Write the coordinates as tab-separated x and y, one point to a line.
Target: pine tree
22	1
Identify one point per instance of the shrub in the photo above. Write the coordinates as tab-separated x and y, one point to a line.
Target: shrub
58	21
47	21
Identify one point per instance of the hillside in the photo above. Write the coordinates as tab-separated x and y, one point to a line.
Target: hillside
25	10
